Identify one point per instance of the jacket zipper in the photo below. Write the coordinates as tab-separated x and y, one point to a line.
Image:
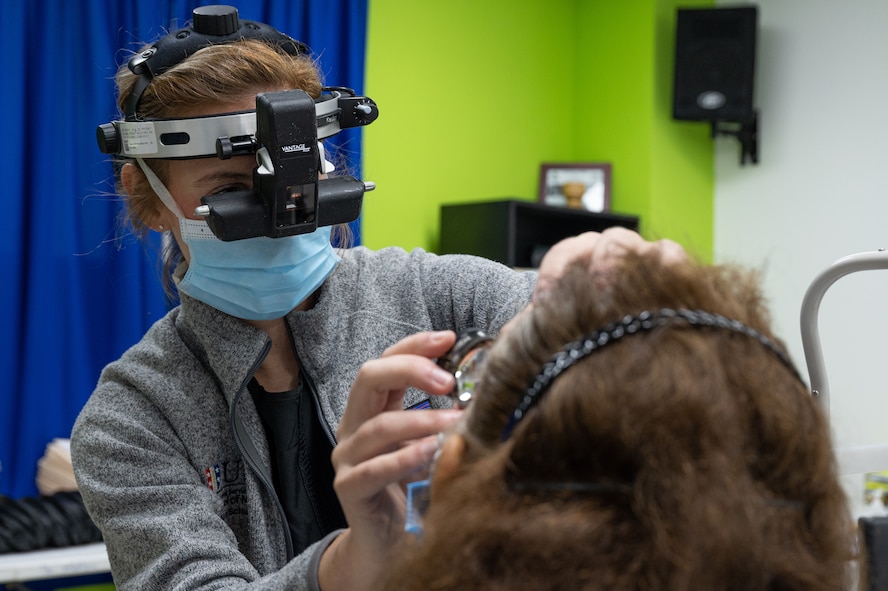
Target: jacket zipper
320	517
242	440
328	431
313	389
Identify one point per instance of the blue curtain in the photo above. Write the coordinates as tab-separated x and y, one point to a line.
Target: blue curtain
76	291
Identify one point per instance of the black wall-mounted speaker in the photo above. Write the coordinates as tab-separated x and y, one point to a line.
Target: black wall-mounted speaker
715	64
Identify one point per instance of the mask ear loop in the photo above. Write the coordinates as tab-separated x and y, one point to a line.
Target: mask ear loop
160	189
326	166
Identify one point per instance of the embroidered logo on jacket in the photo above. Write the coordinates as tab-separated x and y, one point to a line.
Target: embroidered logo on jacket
228	480
214	477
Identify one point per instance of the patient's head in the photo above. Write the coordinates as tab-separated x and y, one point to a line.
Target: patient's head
685	454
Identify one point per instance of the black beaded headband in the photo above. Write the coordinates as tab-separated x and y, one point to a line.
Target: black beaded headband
631	324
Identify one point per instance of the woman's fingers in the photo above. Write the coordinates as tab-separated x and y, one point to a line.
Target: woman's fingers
381	383
390	432
427	344
392	447
599	249
601	252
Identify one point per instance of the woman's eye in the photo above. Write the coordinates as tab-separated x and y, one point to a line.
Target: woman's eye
230	188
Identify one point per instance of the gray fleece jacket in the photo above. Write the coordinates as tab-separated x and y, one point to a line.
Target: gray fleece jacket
170	454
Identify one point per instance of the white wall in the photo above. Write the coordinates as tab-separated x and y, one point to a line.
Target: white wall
819	192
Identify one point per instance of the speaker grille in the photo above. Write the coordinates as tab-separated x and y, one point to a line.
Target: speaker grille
715	64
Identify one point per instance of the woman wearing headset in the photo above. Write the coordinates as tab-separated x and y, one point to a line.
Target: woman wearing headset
204	453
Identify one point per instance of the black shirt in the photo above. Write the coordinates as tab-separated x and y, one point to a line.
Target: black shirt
301	467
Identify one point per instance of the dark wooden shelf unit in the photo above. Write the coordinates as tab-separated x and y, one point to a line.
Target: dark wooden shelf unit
517	233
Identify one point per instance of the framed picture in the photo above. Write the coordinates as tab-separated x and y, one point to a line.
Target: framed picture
582	185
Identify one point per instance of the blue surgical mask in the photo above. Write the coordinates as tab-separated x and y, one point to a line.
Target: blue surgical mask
255	278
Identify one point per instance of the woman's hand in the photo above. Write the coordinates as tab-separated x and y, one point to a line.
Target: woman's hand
601	252
379	447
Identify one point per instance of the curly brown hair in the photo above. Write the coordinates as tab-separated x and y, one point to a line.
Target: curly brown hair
703	461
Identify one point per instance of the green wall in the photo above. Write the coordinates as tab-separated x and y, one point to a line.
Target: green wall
475	94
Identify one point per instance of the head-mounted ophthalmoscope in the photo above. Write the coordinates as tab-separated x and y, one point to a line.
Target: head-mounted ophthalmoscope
287	197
